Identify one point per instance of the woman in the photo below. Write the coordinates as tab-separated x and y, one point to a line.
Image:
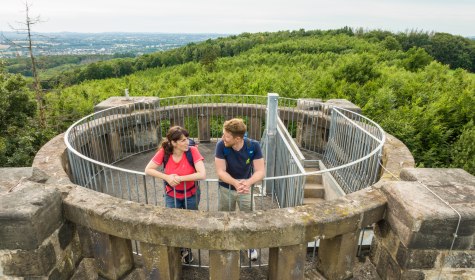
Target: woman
178	173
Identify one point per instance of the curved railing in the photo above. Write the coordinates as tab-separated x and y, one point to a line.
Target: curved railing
343	143
295	135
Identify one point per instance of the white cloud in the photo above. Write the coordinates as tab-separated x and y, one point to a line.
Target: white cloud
456	17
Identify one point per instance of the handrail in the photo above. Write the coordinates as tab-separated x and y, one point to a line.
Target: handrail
112	167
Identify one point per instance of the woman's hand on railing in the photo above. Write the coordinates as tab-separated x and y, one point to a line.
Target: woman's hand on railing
173	180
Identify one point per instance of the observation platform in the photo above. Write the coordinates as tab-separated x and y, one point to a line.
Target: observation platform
62	216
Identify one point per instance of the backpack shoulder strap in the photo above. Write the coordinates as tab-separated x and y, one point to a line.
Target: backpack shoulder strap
166	157
249	148
189	157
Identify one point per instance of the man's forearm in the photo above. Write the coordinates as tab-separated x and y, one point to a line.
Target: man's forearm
256	177
225	177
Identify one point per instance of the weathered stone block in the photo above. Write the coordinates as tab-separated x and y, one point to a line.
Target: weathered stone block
129	104
344	104
37	262
309	103
224	265
386	238
85	241
138	274
287	262
28	216
413	275
65	234
459	259
337	255
416	259
444	274
87	269
113	255
10	178
386	266
455	186
422	220
161	262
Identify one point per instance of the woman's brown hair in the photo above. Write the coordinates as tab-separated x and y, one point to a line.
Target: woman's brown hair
173	134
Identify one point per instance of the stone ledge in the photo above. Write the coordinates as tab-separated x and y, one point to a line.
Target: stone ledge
343	104
11	177
52	159
28	216
223	230
127	103
421	220
396	156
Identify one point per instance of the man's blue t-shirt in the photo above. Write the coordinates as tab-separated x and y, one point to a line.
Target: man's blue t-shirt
238	164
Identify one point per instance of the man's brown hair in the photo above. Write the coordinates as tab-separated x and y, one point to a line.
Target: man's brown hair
236	127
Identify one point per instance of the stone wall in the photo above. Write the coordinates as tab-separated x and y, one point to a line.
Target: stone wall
35	239
416	238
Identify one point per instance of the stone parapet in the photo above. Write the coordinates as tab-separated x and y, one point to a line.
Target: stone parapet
223	230
421	219
127	103
416	239
52	159
395	157
28	216
35	241
343	104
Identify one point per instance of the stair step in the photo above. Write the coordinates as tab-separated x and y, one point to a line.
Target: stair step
307	201
313	179
314	191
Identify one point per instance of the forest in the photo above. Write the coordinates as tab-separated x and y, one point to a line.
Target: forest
419	86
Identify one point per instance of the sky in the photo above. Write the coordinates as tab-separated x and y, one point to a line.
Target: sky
233	17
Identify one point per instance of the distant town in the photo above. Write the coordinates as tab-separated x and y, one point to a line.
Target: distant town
67	43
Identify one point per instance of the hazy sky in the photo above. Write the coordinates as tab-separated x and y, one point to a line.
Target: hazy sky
231	16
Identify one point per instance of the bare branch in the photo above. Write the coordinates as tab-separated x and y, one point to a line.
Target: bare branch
27	31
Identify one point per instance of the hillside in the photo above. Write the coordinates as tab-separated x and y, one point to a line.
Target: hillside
393	77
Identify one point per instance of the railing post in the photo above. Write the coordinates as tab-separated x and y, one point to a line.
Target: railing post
271	128
204	127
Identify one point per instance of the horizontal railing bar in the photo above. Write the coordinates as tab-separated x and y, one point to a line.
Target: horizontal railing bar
79	126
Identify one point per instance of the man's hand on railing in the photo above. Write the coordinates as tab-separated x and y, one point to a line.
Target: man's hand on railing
244	186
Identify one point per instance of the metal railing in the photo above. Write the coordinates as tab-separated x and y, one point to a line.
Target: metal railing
349	144
102	145
351	138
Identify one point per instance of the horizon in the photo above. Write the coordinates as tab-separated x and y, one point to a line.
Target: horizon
211	33
236	17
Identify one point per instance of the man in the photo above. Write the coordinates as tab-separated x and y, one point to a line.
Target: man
239	165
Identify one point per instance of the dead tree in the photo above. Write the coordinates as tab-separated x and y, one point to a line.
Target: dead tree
26	28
